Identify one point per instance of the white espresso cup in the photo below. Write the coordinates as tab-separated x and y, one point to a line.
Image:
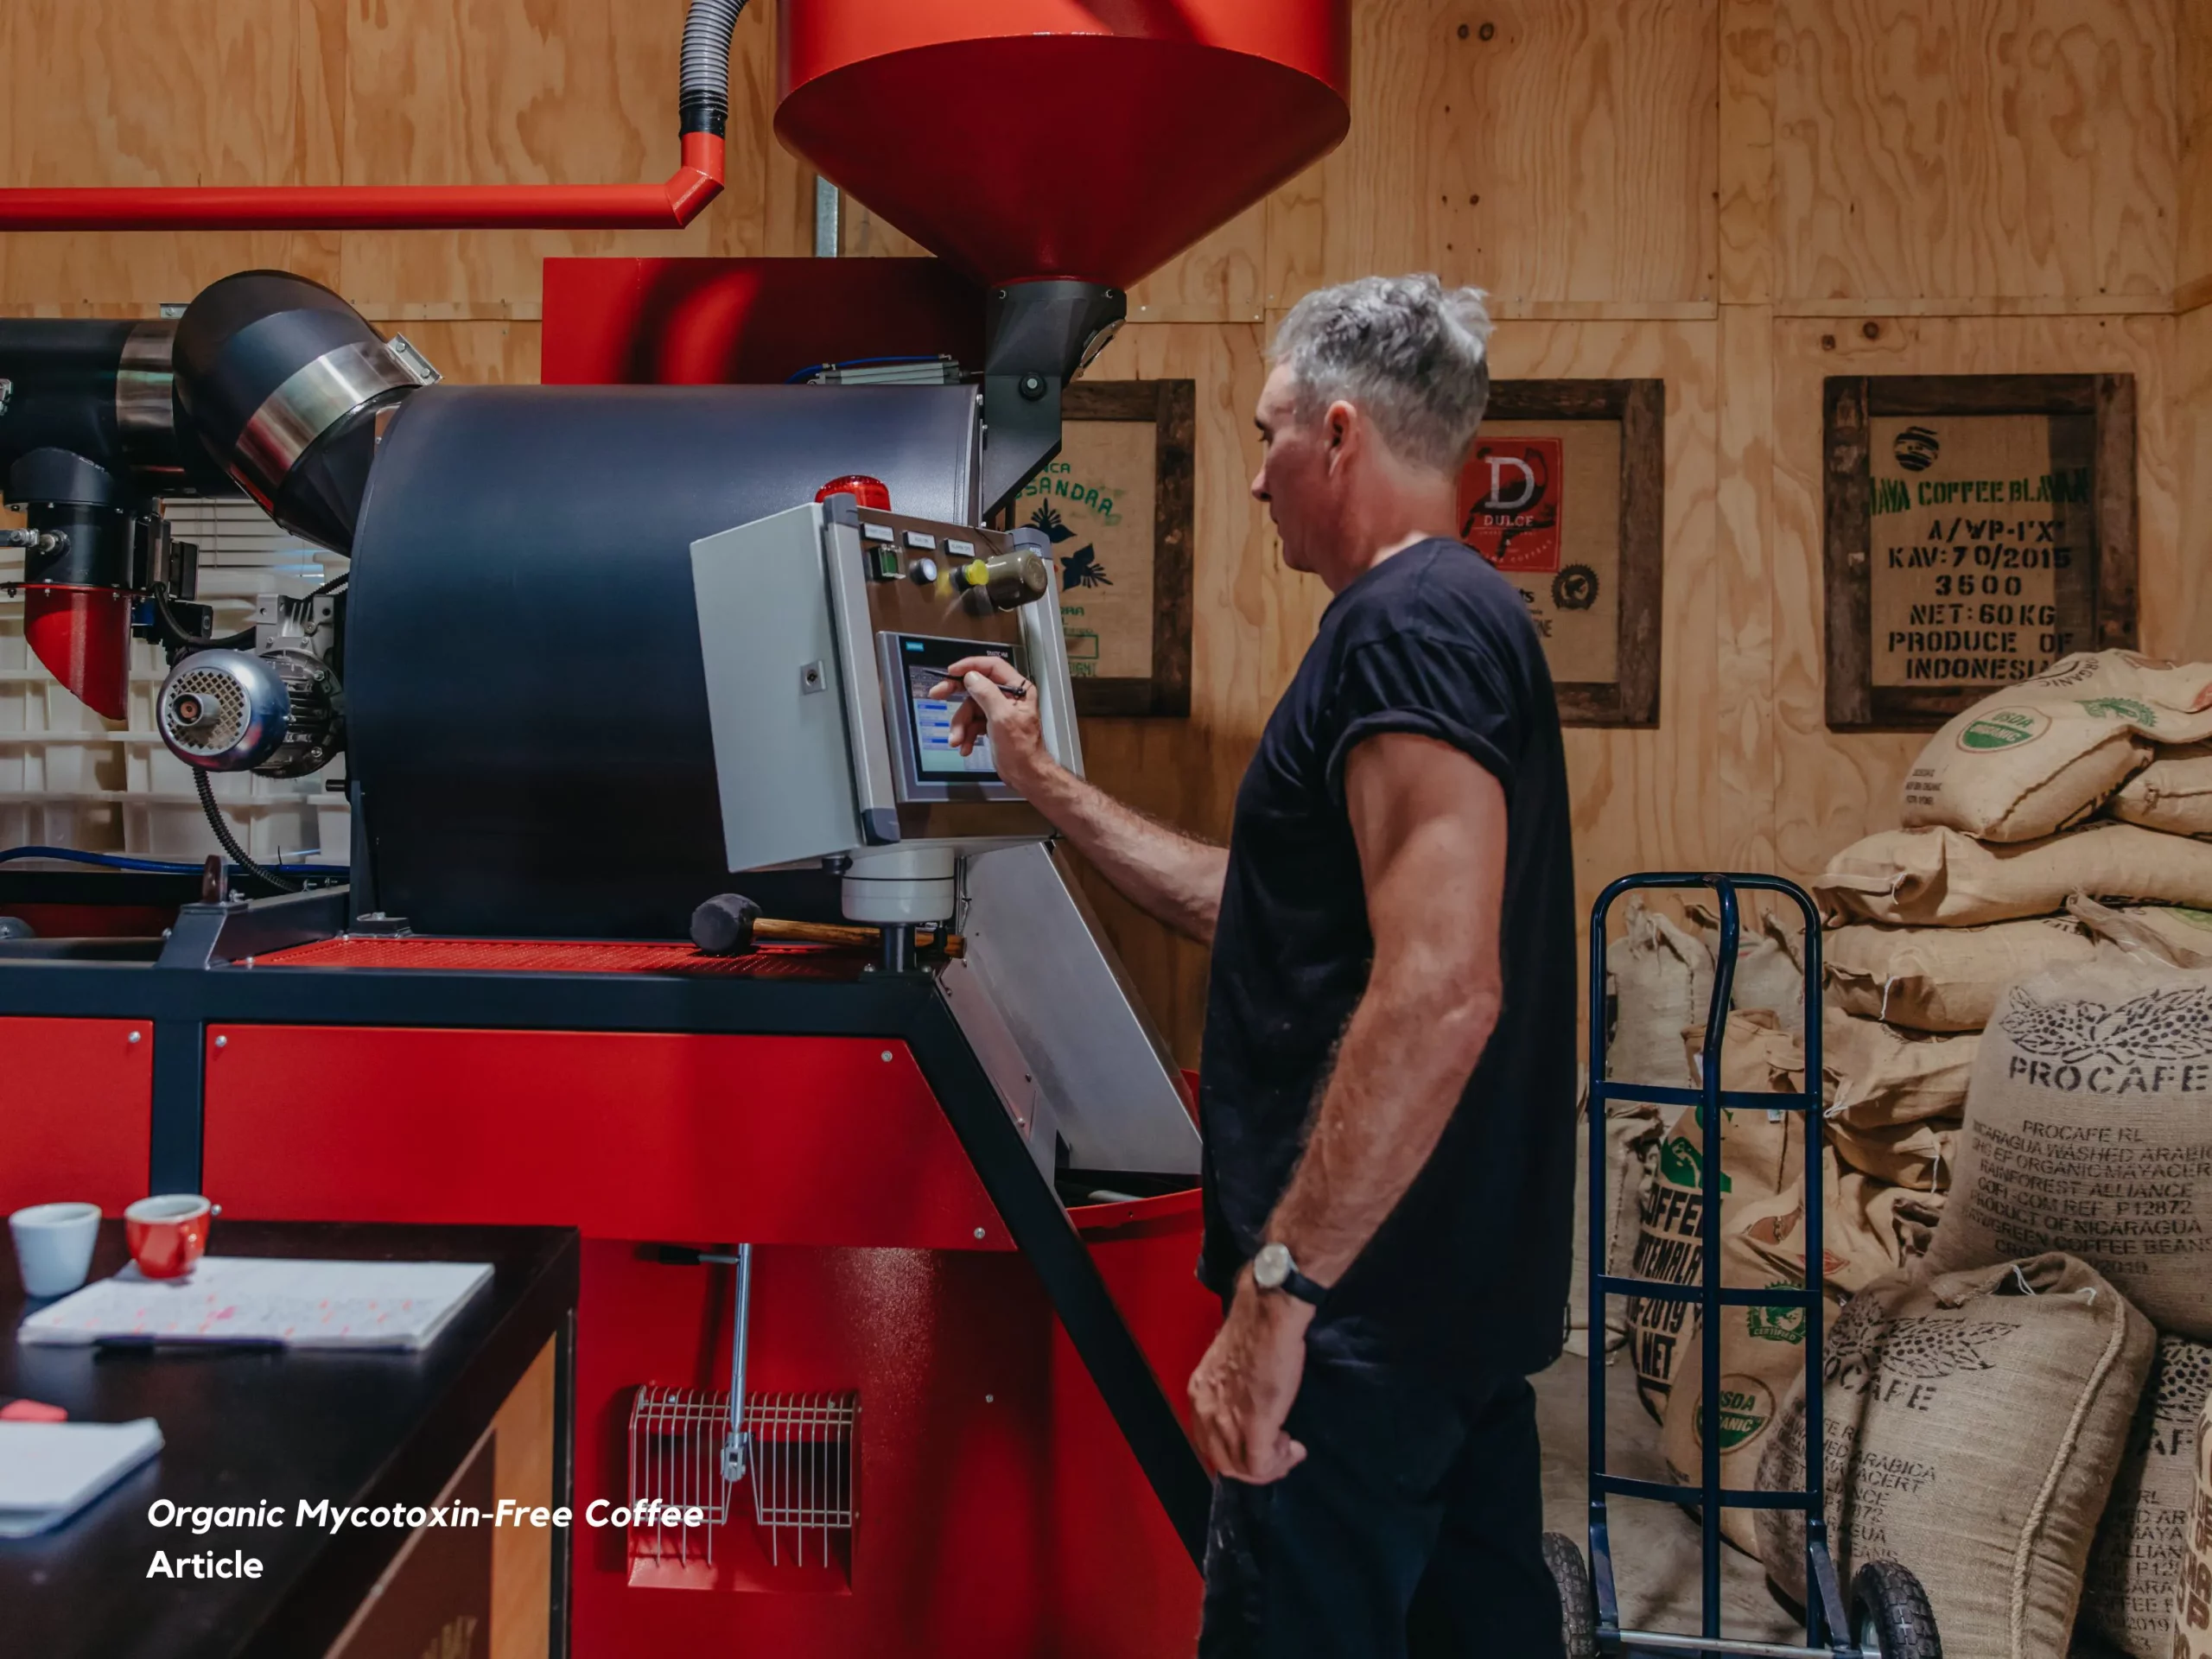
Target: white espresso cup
53	1245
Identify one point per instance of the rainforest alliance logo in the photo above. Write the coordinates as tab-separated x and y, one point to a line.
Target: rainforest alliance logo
2004	728
2120	708
1775	1324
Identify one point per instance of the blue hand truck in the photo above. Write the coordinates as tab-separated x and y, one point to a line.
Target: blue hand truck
1888	1617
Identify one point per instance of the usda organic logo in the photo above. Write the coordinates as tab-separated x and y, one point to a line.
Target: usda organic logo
2004	728
1746	1409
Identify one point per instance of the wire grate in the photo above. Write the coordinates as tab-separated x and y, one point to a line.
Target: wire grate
800	1468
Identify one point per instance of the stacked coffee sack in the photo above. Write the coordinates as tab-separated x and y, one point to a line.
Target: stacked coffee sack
2016	1416
1882	1181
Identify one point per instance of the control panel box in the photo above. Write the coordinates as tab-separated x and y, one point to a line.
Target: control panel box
824	631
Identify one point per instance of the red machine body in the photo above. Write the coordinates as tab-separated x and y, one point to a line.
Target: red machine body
76	1111
1000	1511
944	116
695	322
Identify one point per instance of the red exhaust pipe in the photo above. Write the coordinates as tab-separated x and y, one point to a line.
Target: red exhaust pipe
379	206
705	103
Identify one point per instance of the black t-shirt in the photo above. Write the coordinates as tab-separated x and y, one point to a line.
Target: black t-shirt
1469	1271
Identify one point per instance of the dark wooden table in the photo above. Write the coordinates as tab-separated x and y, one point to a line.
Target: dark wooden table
276	1427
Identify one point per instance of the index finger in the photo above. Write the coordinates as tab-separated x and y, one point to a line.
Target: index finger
997	669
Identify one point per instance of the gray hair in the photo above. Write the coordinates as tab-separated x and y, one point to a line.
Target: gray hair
1410	353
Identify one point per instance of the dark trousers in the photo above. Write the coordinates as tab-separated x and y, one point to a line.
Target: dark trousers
1411	1531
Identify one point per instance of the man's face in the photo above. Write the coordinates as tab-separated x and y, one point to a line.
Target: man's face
1299	472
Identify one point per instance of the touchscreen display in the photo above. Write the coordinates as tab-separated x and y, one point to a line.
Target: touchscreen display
924	661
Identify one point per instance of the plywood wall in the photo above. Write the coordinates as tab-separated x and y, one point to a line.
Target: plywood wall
1740	196
1743	197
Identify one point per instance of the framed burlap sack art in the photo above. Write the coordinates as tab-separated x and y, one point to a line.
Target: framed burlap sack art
1979	529
1117	504
1564	493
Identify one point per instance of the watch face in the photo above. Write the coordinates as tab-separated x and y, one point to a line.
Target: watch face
1271	1266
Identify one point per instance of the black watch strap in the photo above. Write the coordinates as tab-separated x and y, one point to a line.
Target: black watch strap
1306	1290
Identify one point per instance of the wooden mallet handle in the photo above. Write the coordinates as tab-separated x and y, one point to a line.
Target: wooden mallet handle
865	938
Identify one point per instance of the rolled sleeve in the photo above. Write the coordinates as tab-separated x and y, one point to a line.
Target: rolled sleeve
1452	693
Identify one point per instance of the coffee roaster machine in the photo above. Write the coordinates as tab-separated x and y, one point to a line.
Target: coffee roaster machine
888	1251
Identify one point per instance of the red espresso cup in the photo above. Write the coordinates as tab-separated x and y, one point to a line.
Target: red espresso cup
168	1234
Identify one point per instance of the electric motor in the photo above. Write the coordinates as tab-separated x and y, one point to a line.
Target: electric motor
276	713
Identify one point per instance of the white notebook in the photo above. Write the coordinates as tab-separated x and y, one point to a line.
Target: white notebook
50	1471
268	1299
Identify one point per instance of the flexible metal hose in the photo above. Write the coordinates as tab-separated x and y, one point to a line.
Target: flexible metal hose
707	31
267	877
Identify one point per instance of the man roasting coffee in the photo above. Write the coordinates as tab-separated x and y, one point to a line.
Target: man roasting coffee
1389	1094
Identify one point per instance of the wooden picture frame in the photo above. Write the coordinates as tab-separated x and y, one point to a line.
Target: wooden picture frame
2104	404
1170	407
1630	698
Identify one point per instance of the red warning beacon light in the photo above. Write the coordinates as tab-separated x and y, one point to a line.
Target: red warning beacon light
869	492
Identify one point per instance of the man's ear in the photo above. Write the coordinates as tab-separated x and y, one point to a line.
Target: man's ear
1341	425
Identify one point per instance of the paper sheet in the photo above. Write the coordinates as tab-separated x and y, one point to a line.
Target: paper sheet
50	1471
268	1299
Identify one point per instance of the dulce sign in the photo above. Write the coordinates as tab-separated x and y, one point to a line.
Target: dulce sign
1561	493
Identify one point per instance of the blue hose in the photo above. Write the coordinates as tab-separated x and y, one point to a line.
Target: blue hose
143	865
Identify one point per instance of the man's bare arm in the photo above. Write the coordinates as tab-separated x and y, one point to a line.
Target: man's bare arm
1431	826
1169	875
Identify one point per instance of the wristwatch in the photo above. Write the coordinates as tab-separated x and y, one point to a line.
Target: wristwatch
1274	1270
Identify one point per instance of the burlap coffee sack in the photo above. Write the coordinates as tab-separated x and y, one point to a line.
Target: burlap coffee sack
1872	1074
1763	1348
2128	1598
1661	977
1915	1156
1632	1149
1911	1217
1944	978
2170	933
1756	1054
1770	965
2042	754
2173	793
2088	1129
1939	878
1866	1240
1876	1075
1975	1424
1760	1156
1762	1359
2193	1589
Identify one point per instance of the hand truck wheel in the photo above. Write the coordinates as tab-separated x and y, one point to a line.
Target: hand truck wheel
1577	1603
1890	1614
